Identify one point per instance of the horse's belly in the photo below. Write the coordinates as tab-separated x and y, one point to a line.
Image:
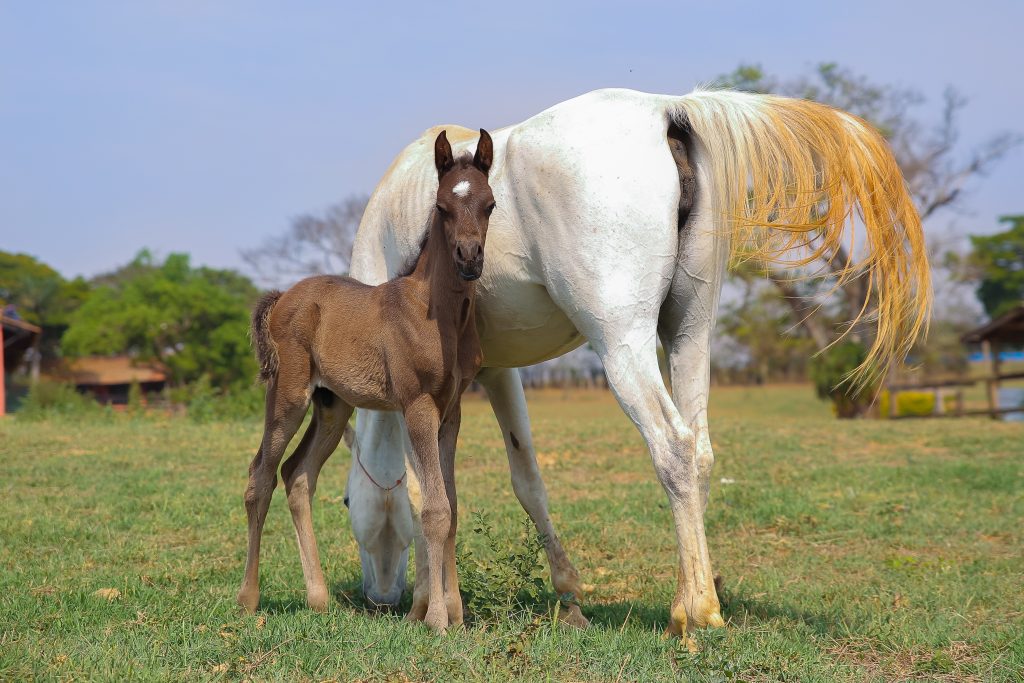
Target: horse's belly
520	325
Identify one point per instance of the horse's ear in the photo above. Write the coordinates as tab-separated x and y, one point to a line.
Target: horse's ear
484	152
443	159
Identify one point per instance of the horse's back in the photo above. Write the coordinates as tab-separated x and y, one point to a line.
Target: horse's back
582	188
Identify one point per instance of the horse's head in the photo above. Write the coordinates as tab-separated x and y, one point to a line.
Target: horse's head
464	202
379	510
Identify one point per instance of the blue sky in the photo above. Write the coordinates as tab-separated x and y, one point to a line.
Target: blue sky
205	126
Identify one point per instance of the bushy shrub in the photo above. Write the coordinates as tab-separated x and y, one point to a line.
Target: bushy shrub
58	400
507	580
913	403
829	371
205	403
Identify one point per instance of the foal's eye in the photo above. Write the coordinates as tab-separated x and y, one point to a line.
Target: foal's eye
440	209
490	208
345	501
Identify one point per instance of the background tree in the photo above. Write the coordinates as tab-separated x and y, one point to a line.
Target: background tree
194	320
999	260
41	295
312	245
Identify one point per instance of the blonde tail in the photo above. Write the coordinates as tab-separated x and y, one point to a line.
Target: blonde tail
794	181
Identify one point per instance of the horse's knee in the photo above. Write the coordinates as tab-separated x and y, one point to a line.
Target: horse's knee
676	462
298	493
705	457
257	491
436	521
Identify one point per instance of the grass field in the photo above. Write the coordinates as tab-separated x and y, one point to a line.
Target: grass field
849	550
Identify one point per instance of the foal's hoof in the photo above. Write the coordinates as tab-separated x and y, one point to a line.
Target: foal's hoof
318	600
248	602
418	612
572	616
436	620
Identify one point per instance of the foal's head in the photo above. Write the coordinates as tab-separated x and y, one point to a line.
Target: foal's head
464	202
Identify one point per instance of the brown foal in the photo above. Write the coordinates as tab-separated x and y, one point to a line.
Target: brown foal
407	345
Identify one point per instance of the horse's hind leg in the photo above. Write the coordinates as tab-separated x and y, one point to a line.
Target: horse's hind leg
505	391
685	325
287	400
300	473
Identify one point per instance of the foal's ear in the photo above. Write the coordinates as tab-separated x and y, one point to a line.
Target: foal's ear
484	152
443	159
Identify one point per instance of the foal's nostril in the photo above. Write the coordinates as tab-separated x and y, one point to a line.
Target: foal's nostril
458	251
479	251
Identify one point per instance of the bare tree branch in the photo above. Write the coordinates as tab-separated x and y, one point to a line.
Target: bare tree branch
313	244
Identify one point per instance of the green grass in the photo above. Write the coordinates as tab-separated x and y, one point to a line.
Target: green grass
863	550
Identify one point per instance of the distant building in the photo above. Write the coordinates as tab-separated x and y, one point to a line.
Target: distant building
17	339
110	378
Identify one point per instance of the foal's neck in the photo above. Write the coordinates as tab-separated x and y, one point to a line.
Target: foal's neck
450	298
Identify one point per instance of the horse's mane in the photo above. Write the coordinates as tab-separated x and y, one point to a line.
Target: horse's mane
463	161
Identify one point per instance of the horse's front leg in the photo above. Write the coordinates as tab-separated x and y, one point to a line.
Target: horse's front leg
447	437
505	391
422	419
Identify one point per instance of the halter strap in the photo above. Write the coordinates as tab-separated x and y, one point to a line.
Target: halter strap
386	489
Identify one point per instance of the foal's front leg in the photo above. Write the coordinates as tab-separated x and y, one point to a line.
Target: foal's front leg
447	437
422	420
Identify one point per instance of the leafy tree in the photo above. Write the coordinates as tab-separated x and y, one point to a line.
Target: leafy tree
194	320
40	293
999	259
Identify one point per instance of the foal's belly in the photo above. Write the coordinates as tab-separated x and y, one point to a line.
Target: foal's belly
520	325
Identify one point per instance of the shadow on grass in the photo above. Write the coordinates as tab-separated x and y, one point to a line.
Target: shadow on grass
282	605
348	593
736	608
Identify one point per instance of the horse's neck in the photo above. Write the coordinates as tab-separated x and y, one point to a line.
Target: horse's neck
447	293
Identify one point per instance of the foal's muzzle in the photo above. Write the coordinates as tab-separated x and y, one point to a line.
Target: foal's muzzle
469	260
470	273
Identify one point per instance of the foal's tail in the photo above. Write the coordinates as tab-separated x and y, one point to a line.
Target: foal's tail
266	350
794	181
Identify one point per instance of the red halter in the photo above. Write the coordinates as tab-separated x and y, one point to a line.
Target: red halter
386	489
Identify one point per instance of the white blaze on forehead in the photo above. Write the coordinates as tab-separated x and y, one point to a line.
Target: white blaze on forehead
461	189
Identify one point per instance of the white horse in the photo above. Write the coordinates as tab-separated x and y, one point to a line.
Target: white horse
616	215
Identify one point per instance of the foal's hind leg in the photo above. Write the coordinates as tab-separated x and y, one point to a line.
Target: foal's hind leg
505	391
300	472
287	400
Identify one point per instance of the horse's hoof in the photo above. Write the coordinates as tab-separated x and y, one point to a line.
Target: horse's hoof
715	620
